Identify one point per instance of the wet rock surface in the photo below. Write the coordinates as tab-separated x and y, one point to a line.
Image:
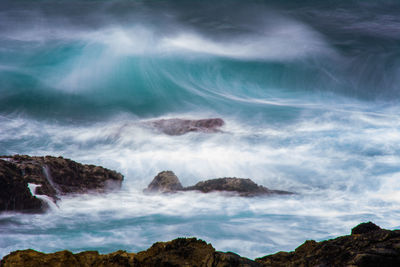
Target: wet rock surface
167	182
179	252
56	176
14	191
241	186
183	126
377	247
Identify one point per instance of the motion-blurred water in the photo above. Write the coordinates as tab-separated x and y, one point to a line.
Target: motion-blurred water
309	92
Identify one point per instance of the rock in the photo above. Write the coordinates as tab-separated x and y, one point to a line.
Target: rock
167	182
378	247
178	252
32	258
373	248
164	182
363	228
14	192
244	187
181	126
56	176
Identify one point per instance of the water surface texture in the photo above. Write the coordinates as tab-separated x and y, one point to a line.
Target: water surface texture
309	91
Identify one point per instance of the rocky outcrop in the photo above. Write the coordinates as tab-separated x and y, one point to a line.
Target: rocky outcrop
370	248
188	252
179	252
181	126
241	186
53	177
365	228
14	191
167	182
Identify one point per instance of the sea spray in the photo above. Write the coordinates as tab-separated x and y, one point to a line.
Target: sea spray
308	91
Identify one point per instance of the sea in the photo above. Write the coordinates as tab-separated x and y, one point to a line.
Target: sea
309	91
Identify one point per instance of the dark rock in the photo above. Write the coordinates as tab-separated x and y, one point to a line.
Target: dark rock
178	252
370	249
363	228
56	176
14	192
164	182
167	182
244	187
181	126
367	248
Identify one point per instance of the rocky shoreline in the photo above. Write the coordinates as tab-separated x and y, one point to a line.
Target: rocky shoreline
367	246
29	183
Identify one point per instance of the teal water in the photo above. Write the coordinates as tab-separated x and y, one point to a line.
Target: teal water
309	92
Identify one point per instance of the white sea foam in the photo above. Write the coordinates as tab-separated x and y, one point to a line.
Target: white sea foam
341	155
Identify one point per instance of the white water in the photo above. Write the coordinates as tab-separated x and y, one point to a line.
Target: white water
344	172
308	91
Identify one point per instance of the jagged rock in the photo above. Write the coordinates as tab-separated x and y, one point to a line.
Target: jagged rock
179	252
14	192
369	249
378	247
181	126
55	176
167	181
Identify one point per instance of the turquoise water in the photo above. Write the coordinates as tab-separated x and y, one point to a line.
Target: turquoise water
309	92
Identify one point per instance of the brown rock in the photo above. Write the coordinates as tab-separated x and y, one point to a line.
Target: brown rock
167	182
241	186
57	176
181	126
14	192
179	252
164	182
371	248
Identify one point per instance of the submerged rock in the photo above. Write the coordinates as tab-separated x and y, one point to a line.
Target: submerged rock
373	248
167	181
182	126
55	176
